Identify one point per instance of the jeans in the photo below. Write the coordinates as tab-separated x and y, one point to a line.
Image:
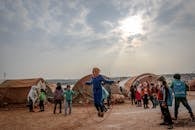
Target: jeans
166	114
57	102
145	101
41	105
30	105
184	101
68	104
99	106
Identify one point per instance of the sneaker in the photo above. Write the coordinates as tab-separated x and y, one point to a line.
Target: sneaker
170	127
98	114
101	114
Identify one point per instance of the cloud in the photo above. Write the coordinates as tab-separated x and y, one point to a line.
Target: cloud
79	34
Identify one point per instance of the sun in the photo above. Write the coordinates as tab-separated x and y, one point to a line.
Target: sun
131	25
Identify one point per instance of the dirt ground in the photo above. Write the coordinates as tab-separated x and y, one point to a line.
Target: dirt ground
120	117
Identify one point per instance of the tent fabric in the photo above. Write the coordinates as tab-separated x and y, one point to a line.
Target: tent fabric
122	83
192	85
139	79
16	91
21	83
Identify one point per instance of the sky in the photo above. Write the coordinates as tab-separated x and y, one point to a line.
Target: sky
66	38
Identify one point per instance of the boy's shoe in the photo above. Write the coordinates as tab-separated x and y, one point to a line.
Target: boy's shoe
101	114
170	127
193	118
98	113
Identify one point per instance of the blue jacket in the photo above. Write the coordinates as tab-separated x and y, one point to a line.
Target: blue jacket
179	88
96	82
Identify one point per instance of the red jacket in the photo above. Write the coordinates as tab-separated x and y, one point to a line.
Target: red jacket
138	96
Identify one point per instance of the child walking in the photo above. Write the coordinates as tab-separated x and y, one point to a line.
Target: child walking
68	93
165	102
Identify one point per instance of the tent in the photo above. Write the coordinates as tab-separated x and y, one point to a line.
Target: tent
85	93
146	77
16	91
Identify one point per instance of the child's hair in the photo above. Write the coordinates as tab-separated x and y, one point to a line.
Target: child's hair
68	86
96	69
177	76
59	86
42	90
161	78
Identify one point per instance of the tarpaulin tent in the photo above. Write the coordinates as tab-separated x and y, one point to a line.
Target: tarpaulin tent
138	79
16	91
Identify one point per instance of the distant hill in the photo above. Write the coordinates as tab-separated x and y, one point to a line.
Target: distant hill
62	81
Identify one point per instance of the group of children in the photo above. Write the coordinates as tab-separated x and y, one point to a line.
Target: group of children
144	93
99	92
162	94
32	98
60	96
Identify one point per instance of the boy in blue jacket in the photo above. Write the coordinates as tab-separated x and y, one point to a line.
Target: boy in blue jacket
179	88
96	82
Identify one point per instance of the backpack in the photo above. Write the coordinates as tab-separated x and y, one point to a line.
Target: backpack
179	88
170	97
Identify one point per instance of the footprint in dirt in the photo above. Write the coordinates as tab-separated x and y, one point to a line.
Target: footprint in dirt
184	122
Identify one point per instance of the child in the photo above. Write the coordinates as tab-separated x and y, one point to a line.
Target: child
138	98
164	103
32	98
96	82
132	91
42	97
68	95
58	97
145	97
179	89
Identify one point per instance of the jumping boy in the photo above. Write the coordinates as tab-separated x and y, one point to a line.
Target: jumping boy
96	82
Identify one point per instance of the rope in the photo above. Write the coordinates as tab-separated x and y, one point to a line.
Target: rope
101	119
